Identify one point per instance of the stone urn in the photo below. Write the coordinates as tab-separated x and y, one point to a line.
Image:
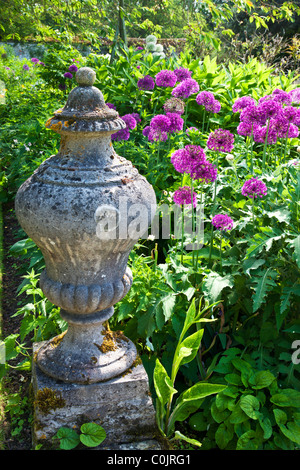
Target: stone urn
79	207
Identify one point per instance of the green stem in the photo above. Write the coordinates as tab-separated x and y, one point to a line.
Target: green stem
265	145
204	114
193	222
221	254
286	139
185	114
251	157
182	232
197	254
253	219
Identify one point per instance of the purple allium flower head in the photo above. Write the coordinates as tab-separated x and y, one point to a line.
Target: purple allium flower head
182	74
281	96
174	105
243	102
252	114
293	131
183	159
68	75
34	60
25	67
295	95
160	122
220	140
146	131
176	122
129	121
73	68
203	171
146	83
139	48
159	128
222	222
122	134
157	135
7	68
206	99
254	188
165	78
62	86
136	117
290	113
260	134
183	196
111	105
246	128
269	108
185	88
215	107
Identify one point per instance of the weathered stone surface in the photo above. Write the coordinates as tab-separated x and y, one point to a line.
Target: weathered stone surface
62	208
122	406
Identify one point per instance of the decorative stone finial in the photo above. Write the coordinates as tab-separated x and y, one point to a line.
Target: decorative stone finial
85	76
63	208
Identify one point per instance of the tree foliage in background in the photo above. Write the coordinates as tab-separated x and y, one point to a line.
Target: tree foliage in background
204	20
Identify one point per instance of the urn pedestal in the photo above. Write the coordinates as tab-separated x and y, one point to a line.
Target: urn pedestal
78	207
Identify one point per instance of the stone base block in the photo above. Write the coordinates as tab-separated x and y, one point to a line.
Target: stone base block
122	406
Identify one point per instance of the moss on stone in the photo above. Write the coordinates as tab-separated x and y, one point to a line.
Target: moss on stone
47	399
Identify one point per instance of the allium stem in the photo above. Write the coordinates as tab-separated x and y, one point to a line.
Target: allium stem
285	145
204	114
182	231
253	218
185	114
193	221
251	145
265	145
221	253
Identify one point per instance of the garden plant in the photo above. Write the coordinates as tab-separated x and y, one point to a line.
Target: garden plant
217	326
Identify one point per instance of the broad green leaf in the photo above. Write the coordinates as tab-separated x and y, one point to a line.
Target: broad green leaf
291	431
219	416
198	422
190	400
296	244
266	426
233	379
68	438
223	435
214	284
250	405
188	349
92	434
238	416
261	379
247	441
262	285
280	416
162	383
286	397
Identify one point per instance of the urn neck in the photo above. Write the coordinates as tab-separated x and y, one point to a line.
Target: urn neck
87	150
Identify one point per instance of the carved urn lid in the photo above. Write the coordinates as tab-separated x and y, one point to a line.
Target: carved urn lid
85	109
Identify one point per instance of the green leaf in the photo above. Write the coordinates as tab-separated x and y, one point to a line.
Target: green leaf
280	416
92	434
262	285
247	441
266	426
188	349
162	383
180	436
224	435
190	400
286	397
238	416
68	438
261	379
214	284
296	244
198	422
250	405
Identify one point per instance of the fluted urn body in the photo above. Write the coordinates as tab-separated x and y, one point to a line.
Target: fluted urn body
80	207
